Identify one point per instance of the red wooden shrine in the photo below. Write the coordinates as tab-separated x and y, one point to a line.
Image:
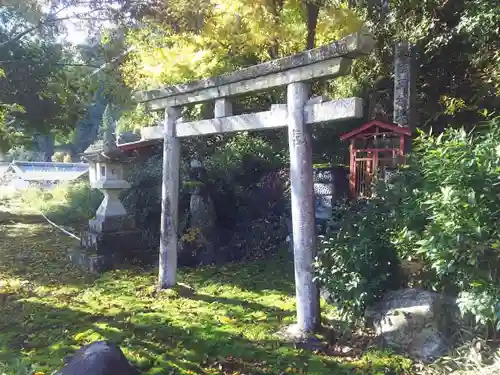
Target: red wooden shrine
376	147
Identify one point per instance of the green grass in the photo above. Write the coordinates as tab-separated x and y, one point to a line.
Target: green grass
49	309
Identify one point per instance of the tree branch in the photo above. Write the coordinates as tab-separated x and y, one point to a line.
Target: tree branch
49	21
34	62
312	11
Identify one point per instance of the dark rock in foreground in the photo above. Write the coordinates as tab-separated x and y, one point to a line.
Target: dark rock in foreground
98	358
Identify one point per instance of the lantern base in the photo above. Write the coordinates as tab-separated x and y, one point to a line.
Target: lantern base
109	242
89	261
111	224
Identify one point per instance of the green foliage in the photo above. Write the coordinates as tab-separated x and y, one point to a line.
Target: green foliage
8	133
234	170
443	209
456	46
16	367
143	198
479	26
195	39
106	127
41	81
136	118
449	215
241	155
356	263
72	202
23	154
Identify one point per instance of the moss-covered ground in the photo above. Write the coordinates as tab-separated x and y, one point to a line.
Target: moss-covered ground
49	308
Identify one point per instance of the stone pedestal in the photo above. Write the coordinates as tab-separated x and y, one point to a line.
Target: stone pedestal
107	243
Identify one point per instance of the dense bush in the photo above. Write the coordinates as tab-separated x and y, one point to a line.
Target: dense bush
443	209
356	263
21	153
73	202
17	367
448	215
143	199
242	161
234	170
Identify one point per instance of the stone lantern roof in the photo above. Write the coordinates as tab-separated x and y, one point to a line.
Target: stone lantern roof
100	152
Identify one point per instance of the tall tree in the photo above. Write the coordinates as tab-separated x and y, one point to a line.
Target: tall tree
41	76
459	64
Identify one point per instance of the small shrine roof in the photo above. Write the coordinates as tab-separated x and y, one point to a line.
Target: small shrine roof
391	127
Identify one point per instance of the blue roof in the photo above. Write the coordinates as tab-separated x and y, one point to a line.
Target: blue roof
48	171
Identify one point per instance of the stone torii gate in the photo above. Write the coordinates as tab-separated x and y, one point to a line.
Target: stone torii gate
297	114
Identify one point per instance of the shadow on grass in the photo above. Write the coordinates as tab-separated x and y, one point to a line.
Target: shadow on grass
153	342
7	217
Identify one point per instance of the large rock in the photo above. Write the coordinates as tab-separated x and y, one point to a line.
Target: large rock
197	242
98	358
415	322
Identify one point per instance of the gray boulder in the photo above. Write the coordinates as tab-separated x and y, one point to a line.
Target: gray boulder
98	358
415	322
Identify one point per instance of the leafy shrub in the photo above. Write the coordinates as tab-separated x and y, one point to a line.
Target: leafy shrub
243	158
143	199
58	157
21	153
442	209
237	167
233	172
135	118
449	215
74	202
16	367
356	263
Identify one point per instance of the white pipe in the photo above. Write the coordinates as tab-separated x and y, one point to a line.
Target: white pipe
59	227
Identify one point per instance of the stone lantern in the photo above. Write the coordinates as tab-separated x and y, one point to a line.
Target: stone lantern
111	237
106	175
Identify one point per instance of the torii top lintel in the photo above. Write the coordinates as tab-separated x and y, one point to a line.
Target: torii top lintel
326	61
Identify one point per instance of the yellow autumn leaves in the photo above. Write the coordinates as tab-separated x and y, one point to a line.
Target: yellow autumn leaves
223	35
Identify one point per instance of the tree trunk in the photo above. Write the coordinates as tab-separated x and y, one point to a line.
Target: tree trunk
312	10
